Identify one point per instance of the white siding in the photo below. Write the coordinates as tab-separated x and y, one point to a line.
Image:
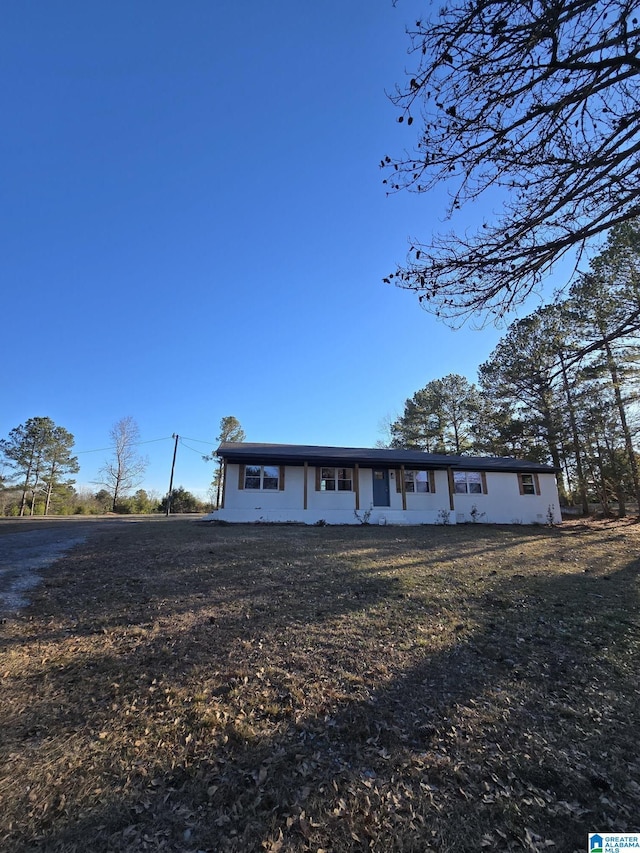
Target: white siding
503	503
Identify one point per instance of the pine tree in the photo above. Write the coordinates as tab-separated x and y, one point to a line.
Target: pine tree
40	454
230	430
58	462
439	417
522	371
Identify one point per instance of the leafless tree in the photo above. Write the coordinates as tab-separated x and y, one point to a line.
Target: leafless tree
538	100
125	470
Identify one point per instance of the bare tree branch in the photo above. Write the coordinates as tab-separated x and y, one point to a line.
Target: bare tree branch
540	100
124	471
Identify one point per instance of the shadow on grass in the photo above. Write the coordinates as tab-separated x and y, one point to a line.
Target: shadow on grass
333	715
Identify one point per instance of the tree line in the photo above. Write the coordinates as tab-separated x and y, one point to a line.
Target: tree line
39	456
561	387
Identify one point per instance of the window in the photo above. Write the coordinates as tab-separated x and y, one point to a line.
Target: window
469	482
418	481
528	484
334	479
265	477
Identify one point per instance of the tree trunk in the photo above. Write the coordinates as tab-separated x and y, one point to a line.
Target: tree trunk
600	481
50	482
35	486
628	442
582	487
23	501
47	501
553	443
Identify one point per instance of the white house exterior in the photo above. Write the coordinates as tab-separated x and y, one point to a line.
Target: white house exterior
347	485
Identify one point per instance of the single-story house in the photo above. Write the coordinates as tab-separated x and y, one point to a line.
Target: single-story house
352	485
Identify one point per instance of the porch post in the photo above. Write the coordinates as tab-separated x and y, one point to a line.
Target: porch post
356	477
224	483
306	485
403	489
451	488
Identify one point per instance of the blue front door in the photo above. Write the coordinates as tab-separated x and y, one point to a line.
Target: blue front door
381	488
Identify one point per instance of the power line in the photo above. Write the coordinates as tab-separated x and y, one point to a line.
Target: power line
193	449
198	440
152	441
134	443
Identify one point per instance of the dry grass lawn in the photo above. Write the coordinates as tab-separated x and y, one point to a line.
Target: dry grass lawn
189	687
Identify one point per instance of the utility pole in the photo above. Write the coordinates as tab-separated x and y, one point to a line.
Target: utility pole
173	465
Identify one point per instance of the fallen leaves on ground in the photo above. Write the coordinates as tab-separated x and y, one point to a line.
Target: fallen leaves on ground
191	687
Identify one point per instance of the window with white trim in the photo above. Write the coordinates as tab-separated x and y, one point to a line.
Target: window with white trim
263	477
335	480
468	482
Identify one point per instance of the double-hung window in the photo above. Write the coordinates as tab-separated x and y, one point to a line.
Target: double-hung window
469	483
263	477
334	479
528	484
418	481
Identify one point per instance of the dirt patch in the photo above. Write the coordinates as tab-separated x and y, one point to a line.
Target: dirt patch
187	687
24	554
28	545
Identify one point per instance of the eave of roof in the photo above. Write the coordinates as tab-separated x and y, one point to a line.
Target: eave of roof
298	454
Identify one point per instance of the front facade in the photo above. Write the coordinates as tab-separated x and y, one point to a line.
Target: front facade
346	485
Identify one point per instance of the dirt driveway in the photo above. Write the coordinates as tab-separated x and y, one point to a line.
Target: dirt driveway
27	548
29	545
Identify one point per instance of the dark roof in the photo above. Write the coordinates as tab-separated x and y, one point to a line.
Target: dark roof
298	454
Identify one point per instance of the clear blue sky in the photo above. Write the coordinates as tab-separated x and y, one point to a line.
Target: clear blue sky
193	224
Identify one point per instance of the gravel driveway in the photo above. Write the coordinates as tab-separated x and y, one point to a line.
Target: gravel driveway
24	554
28	545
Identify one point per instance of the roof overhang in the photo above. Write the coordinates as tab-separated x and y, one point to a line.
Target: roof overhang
247	453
